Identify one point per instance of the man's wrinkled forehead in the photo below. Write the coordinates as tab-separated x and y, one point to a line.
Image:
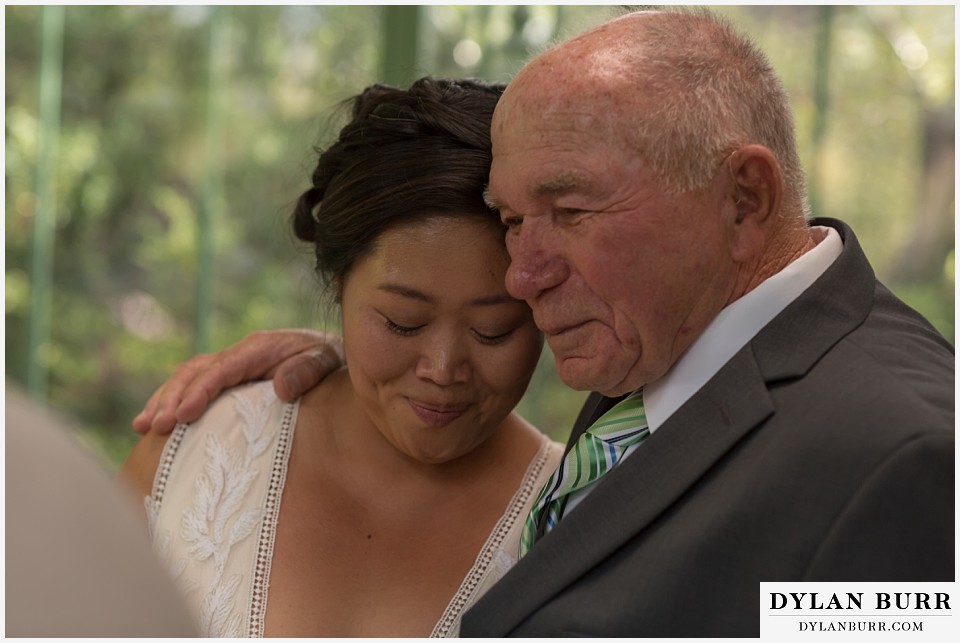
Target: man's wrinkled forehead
532	118
547	98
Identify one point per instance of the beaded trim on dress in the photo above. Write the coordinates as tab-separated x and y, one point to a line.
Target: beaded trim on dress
268	530
492	559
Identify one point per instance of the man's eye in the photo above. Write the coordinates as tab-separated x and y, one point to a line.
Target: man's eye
513	222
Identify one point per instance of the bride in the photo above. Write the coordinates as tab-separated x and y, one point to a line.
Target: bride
388	499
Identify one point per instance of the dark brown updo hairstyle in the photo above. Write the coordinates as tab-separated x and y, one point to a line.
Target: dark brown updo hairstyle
405	156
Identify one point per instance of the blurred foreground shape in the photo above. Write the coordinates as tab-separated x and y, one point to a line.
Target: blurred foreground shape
78	560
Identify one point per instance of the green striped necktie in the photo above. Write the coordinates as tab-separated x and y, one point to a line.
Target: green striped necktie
597	451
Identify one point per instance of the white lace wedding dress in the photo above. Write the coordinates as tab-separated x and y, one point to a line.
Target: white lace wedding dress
216	497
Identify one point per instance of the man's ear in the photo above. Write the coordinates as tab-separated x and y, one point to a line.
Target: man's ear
756	186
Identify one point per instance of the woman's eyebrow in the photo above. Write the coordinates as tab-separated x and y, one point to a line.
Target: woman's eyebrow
495	300
413	293
407	291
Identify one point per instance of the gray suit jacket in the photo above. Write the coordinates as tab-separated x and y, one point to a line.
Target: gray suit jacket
822	451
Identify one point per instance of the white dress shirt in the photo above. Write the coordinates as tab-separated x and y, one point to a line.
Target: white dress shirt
736	325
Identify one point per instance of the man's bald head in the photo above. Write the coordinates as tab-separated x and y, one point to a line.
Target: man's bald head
681	88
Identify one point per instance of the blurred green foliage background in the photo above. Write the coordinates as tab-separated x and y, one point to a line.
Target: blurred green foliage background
153	154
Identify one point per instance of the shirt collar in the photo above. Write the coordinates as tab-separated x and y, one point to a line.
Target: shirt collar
735	326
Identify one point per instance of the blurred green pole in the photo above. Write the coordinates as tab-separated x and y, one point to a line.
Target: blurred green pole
44	221
212	203
821	99
401	38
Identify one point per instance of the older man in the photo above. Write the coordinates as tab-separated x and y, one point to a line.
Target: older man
792	420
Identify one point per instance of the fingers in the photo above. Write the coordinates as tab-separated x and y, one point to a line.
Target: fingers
242	362
302	372
160	412
196	382
141	423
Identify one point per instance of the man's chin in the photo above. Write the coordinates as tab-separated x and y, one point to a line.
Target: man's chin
597	374
589	374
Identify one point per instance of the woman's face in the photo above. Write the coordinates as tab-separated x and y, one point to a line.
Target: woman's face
438	352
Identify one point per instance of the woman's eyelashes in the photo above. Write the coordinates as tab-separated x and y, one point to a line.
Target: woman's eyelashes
483	336
493	338
404	331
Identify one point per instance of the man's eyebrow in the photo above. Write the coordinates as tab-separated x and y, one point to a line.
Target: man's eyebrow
489	199
413	293
563	182
559	184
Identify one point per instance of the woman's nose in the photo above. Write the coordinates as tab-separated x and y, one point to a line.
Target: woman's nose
444	363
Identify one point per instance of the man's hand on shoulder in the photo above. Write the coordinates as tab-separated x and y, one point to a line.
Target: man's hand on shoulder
296	359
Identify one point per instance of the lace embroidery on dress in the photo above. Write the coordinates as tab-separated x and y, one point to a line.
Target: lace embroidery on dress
215	523
493	560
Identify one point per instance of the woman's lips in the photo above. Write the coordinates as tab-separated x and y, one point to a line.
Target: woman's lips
436	416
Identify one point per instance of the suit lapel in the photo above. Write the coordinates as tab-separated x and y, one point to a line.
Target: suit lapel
632	495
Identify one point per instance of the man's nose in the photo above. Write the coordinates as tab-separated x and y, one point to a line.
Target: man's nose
536	264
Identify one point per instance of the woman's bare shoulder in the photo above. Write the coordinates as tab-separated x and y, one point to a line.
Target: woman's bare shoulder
140	467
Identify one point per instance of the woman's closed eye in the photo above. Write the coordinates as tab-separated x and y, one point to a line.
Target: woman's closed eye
405	331
492	338
484	337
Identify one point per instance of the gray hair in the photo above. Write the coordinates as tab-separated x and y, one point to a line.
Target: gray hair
709	90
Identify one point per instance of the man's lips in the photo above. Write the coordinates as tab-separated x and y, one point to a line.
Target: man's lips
437	415
557	330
